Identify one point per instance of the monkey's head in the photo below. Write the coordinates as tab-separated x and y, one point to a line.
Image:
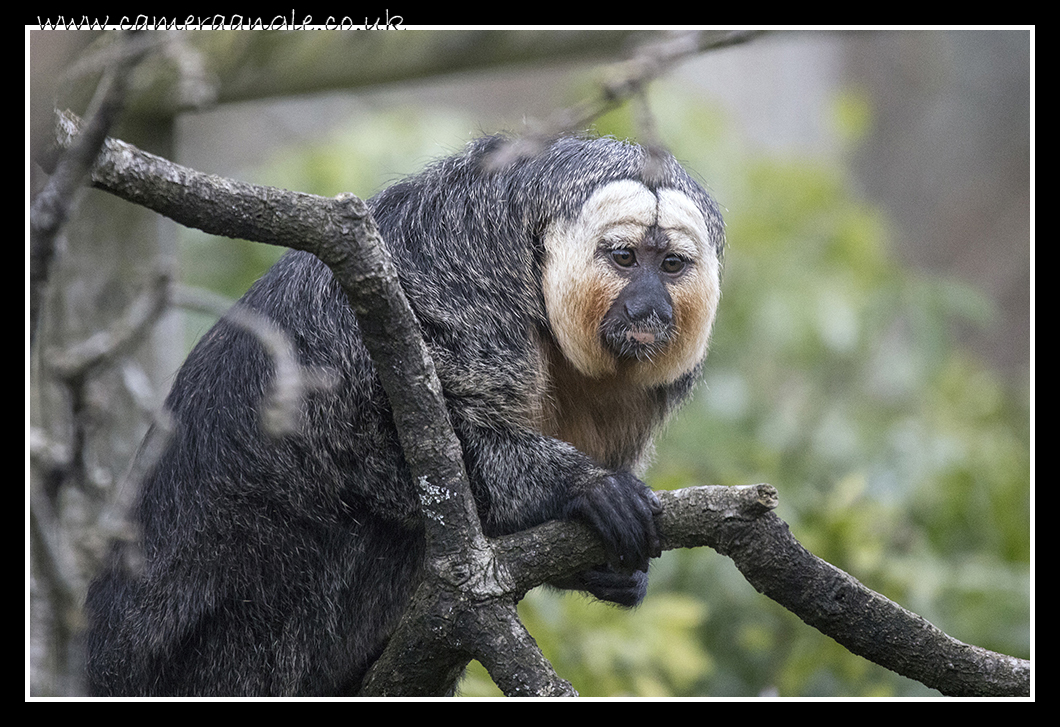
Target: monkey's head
630	246
631	281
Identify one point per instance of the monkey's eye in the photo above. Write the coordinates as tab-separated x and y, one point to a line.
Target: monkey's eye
624	258
672	264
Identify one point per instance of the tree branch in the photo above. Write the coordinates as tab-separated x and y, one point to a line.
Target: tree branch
832	601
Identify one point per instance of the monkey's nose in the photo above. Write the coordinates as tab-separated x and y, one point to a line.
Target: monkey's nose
650	311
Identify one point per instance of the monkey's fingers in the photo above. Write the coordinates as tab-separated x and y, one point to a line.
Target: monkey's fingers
622	510
608	584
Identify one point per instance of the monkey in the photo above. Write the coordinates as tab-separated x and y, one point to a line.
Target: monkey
567	299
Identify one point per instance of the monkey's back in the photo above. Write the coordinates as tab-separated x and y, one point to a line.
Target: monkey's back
292	554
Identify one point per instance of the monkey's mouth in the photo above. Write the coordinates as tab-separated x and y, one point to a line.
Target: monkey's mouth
640	343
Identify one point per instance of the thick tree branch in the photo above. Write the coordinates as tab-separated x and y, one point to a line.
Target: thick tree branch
738	522
480	581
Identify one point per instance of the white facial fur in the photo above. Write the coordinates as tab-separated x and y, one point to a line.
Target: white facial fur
580	285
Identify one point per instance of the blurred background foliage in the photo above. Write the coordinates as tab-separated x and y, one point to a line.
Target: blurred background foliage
834	375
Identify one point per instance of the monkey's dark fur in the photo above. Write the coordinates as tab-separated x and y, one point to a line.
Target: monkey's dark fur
567	316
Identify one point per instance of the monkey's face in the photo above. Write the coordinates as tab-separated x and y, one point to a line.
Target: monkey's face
632	284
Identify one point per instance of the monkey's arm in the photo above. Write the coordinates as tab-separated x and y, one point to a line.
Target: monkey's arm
521	479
